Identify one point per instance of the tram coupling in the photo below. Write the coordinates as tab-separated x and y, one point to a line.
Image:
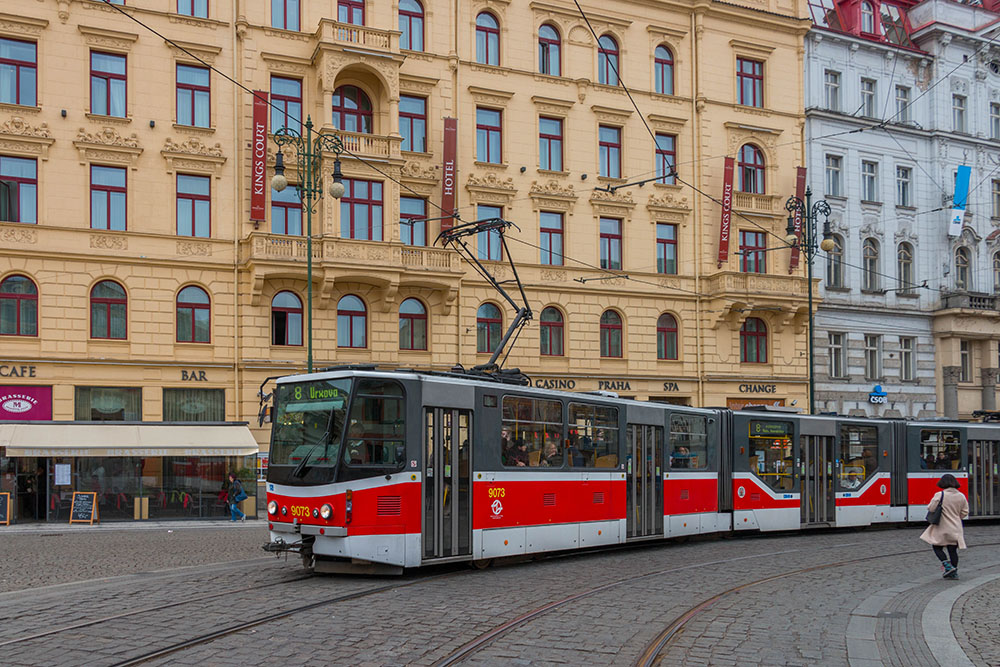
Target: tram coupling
280	546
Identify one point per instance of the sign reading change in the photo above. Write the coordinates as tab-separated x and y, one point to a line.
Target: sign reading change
84	508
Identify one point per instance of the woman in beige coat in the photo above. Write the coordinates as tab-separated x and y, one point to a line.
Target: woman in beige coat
947	532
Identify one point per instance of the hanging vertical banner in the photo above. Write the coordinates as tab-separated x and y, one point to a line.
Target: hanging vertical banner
800	194
449	175
962	178
727	210
258	163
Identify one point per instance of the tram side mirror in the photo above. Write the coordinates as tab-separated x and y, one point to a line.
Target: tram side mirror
264	416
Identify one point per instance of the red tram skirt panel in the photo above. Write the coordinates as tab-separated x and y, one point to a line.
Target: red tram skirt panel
758	507
691	504
869	504
922	486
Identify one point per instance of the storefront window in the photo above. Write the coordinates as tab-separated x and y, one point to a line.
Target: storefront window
194	405
771	454
858	454
114	479
108	404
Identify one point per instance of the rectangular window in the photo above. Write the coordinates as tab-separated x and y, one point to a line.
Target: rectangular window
837	349
750	82
904	178
907	365
550	141
412	221
965	361
551	226
489	135
958	113
488	241
194	206
610	149
666	248
351	11
108	84
108	198
869	181
413	123
194	405
361	210
196	8
995	199
18	72
868	98
873	357
286	104
194	96
285	14
902	104
593	436
831	83
611	244
286	211
688	444
834	174
994	120
18	189
753	250
666	158
108	404
531	433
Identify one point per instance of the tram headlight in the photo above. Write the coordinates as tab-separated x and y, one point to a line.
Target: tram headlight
326	511
272	507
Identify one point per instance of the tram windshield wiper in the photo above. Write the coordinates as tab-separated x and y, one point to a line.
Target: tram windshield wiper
303	467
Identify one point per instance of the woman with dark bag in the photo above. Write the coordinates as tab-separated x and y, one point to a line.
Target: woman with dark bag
235	496
945	513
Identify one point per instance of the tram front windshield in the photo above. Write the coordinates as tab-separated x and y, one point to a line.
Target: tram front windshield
771	453
306	431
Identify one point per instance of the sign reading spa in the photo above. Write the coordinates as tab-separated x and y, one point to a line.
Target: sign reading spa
25	403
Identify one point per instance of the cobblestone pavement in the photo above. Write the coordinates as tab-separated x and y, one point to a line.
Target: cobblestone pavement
801	619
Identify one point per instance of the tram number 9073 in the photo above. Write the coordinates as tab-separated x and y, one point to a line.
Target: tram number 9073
300	511
497	492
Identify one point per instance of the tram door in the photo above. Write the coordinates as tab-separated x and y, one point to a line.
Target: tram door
645	480
817	480
447	467
984	482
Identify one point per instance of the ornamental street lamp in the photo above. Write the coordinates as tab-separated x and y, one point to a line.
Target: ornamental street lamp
309	150
810	248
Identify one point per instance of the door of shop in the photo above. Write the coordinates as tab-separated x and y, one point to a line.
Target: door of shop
645	481
32	489
447	471
984	482
817	480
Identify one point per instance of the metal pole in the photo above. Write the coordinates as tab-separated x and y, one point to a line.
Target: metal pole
810	253
306	146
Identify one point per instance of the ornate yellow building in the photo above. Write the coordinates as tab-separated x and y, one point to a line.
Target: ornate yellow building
141	162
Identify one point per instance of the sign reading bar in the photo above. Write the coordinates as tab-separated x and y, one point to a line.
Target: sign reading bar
449	176
800	193
258	165
727	210
83	509
5	508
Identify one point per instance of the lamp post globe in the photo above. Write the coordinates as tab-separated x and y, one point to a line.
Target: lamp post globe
337	189
826	245
279	182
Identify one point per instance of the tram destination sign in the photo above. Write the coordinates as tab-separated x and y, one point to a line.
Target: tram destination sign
4	509
83	508
770	429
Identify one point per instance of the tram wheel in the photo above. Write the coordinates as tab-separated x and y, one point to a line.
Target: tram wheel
482	563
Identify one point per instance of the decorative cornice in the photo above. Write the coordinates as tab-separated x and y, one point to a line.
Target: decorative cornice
108	136
416	170
108	39
193	146
611	114
618	199
21	26
193	155
552	188
552	105
108	145
753	47
17	127
417	84
668	200
206	52
19	137
490	96
278	62
490	181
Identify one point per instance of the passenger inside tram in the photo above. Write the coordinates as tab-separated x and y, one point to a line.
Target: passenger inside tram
551	456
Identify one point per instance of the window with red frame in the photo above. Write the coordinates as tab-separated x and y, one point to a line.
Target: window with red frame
551	328
488	245
286	319
352	322
551	226
550	144
108	311
488	324
753	341
487	39
18	72
611	244
663	62
411	25
352	110
750	82
194	206
108	198
753	252
18	306
549	46
108	84
666	158
285	14
286	211
196	8
607	61
18	189
286	104
666	337
666	248
751	168
611	334
412	325
193	315
361	210
413	123
609	141
489	135
194	96
351	11
413	220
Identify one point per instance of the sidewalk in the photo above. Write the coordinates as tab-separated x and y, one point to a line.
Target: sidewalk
179	524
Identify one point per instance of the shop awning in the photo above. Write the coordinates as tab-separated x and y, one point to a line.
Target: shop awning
74	439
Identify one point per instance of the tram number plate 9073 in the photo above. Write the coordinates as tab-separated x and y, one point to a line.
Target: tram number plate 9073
497	492
300	510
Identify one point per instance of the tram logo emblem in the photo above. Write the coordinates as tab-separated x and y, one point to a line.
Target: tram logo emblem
882	489
497	507
741	491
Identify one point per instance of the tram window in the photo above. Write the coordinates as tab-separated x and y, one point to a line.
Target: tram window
688	442
939	449
771	454
377	427
858	454
593	436
531	432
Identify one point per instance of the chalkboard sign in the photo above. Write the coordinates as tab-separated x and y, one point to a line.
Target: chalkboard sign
5	509
84	507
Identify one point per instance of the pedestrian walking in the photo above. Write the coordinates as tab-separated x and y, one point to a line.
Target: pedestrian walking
947	532
235	496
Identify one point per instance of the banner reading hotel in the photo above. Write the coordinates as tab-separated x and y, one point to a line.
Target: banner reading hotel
800	194
258	163
449	175
727	210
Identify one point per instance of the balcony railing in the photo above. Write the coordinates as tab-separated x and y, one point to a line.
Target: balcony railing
755	282
438	259
273	247
746	201
277	246
368	144
359	35
971	300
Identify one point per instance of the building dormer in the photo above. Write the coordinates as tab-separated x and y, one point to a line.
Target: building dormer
876	20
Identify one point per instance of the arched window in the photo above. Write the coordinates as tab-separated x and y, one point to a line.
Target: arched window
352	322
751	165
867	18
193	315
996	272
611	334
753	341
18	307
412	325
835	263
548	50
869	266
663	62
607	61
487	39
904	267
551	324
963	278
411	24
488	323
108	308
666	337
352	110
286	319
